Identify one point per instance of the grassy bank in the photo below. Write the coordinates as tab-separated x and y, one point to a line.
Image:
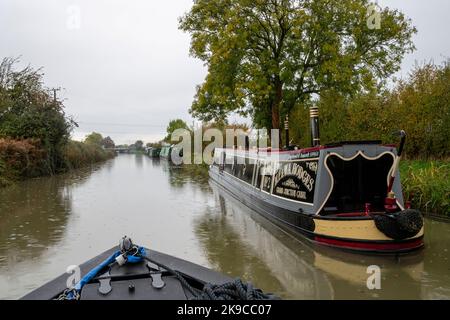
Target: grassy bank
22	159
79	154
427	184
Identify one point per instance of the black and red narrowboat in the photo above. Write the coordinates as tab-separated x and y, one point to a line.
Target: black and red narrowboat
346	195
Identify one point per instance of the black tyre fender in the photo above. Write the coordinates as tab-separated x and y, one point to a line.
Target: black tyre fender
401	225
388	226
410	221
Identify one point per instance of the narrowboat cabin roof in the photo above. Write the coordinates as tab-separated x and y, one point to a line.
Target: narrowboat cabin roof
343	177
268	152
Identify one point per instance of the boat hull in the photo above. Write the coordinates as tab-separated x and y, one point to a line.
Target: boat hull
137	276
349	233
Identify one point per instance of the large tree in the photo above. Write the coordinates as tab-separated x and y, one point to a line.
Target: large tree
94	138
108	142
175	125
265	57
28	110
139	144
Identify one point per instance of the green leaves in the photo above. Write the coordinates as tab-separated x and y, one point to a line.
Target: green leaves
419	104
255	48
174	125
27	110
94	138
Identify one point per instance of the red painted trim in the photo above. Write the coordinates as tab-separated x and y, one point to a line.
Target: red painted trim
372	246
306	150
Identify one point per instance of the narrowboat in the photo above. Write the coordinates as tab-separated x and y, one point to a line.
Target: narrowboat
166	151
171	152
132	272
153	152
346	195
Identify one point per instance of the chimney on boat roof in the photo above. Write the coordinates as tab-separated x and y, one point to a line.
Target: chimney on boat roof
286	130
315	134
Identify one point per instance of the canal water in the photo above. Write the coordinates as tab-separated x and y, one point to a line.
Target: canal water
48	224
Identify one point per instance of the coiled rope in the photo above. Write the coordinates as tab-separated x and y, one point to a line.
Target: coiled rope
233	290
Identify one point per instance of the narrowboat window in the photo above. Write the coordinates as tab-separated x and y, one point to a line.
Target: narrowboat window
217	154
229	163
255	171
266	174
244	169
250	166
222	159
238	166
257	182
215	158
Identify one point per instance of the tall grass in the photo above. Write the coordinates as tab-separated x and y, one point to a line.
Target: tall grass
79	154
427	184
20	159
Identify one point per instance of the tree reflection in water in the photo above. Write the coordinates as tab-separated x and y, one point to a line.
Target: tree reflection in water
34	214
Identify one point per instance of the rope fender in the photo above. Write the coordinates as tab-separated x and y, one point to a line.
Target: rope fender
400	225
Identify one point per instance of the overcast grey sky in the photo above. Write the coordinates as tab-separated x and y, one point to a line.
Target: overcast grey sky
125	66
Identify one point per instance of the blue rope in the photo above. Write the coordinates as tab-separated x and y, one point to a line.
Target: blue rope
74	293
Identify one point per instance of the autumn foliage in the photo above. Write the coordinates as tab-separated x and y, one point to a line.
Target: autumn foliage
34	128
419	104
21	158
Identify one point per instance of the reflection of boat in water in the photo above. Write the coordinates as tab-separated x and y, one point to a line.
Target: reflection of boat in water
346	195
259	250
304	269
354	268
